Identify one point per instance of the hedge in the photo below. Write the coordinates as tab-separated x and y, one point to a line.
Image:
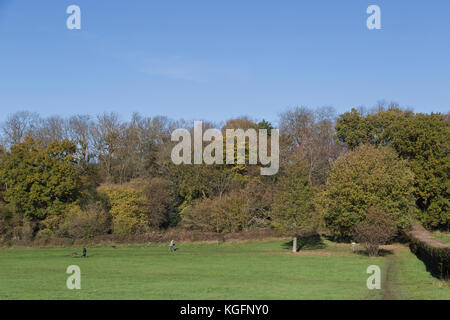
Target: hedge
433	252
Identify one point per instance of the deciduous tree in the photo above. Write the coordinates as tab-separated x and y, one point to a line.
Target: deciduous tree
366	177
40	181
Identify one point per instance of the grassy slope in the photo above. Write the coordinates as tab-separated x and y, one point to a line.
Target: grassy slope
245	270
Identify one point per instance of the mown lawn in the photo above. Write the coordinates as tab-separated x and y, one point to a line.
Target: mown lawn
412	281
240	270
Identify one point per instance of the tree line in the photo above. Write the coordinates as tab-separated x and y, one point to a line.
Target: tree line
83	176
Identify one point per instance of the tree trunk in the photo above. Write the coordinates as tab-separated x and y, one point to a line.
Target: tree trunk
294	244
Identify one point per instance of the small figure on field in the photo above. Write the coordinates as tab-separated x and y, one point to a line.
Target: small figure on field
353	246
84	253
172	246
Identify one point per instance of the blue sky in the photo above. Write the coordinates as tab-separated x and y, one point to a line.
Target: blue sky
204	59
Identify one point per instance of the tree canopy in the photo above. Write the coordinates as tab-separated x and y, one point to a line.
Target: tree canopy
366	177
40	181
84	176
294	211
422	139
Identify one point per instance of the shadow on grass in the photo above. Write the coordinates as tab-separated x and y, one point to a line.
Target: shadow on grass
381	252
312	242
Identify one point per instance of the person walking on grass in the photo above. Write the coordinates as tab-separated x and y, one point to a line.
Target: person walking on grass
172	246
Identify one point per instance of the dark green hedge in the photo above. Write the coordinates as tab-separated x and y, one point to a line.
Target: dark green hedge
436	259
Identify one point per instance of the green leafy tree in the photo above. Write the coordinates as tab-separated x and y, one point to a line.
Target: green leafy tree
264	124
40	181
422	139
363	178
293	209
351	129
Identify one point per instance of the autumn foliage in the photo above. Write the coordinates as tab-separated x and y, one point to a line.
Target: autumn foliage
84	177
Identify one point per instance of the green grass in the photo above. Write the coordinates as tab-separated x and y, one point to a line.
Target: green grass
412	281
241	270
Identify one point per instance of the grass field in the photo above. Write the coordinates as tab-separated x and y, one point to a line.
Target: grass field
239	270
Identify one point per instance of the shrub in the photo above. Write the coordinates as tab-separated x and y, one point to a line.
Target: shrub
377	229
222	214
6	220
27	230
84	224
158	195
14	227
128	208
44	235
238	210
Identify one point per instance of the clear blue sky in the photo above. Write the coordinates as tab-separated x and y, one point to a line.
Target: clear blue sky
204	59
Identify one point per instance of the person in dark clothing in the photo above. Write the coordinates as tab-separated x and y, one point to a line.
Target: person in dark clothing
84	253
